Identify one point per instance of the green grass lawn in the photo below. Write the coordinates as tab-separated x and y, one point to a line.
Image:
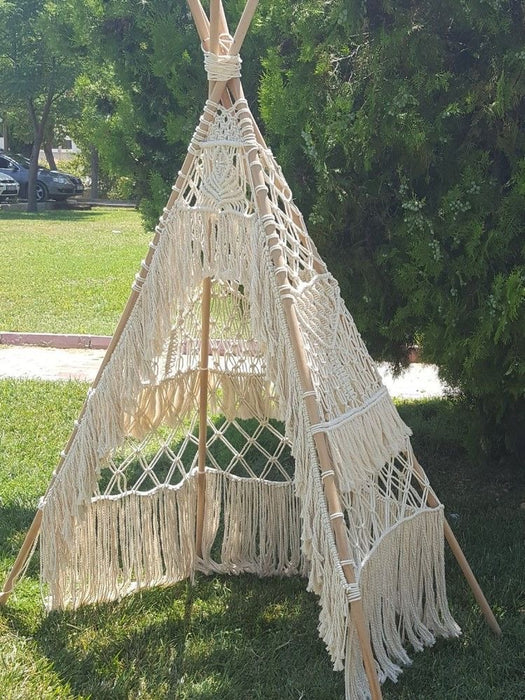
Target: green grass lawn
242	638
68	271
228	638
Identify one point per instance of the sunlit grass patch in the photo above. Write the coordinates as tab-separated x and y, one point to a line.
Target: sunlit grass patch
68	272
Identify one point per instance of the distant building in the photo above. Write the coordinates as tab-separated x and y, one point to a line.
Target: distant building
65	151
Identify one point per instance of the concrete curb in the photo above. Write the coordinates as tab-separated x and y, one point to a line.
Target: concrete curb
68	205
108	203
68	341
57	340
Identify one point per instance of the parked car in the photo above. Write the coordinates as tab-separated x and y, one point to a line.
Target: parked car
50	184
79	185
9	188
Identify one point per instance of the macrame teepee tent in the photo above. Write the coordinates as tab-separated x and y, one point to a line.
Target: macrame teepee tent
238	423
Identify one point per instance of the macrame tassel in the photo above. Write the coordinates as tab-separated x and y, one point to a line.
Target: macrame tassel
172	400
404	598
325	577
123	544
167	403
260	526
333	614
356	682
242	396
364	440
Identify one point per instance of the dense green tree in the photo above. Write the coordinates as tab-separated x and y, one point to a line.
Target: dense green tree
100	111
39	60
141	97
410	131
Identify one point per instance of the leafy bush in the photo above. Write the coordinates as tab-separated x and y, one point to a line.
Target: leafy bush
412	129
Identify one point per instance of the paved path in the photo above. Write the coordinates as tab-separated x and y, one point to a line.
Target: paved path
417	382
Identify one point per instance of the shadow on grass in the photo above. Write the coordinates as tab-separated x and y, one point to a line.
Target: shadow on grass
54	215
244	638
221	637
15	519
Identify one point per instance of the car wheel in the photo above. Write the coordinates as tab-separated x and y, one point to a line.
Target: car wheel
41	192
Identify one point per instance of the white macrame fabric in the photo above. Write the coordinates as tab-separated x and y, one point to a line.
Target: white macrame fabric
120	514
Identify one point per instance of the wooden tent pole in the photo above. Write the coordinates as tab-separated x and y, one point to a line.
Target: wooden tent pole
214	27
215	14
325	459
209	34
199	17
203	411
330	488
471	579
461	559
242	27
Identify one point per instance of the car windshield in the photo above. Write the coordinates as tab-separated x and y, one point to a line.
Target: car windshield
21	160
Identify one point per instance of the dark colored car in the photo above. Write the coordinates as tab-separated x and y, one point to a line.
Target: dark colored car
79	185
9	188
51	184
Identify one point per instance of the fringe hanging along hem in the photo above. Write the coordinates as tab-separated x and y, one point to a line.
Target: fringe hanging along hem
404	599
136	541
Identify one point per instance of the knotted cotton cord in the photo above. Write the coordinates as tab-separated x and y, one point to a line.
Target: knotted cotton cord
221	68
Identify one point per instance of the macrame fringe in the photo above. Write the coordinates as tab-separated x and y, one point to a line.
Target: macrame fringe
365	441
252	526
404	599
123	544
325	576
328	581
232	395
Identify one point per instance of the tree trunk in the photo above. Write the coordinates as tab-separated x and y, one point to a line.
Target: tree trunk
39	126
48	150
94	172
5	134
33	173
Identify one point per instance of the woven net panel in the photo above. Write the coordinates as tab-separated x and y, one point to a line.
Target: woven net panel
245	437
301	256
395	494
219	178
